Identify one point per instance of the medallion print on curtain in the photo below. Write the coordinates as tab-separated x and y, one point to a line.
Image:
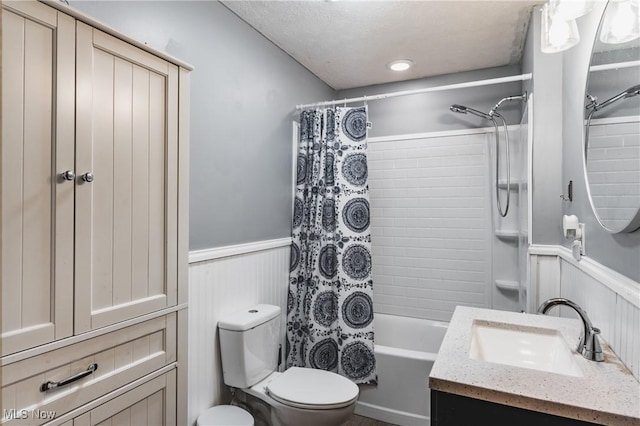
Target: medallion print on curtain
330	307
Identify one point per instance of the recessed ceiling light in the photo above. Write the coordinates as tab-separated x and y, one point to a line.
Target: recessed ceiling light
400	65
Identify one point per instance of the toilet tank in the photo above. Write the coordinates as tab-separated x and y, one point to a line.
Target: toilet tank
249	343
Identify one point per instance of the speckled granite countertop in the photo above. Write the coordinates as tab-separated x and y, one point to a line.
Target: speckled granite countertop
606	394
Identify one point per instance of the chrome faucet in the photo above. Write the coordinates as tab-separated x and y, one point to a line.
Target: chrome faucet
589	345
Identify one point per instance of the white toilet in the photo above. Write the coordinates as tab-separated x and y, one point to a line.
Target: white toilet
249	341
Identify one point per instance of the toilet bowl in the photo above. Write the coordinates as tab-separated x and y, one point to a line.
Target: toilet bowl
225	415
303	396
249	342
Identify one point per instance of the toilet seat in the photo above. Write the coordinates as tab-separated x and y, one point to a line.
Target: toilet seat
312	389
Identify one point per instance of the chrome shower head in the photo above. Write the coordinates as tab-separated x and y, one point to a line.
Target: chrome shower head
632	91
463	110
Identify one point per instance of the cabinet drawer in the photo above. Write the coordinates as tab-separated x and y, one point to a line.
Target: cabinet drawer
121	357
152	403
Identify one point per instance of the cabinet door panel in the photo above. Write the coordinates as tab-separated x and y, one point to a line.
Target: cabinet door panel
140	248
126	218
150	404
36	206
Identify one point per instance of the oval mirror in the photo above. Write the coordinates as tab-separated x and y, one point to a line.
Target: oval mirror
612	119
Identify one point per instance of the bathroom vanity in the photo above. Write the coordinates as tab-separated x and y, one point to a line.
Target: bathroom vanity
512	368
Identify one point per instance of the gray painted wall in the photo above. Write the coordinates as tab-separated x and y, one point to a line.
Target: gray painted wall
429	112
547	185
244	90
620	252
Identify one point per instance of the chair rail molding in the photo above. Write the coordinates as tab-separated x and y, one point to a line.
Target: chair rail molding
624	286
236	249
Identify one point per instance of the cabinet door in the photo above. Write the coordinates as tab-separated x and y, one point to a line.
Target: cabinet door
126	217
36	203
150	404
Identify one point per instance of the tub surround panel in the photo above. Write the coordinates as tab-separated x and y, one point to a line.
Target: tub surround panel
221	286
615	139
611	299
608	391
431	222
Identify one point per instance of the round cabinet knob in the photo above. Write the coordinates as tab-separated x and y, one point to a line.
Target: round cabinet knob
87	177
68	175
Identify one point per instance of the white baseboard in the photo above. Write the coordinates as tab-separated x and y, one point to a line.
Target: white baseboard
389	415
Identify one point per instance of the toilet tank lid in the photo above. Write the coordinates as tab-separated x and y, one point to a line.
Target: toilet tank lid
248	318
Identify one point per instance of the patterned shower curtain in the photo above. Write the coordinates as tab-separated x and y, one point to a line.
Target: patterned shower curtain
330	308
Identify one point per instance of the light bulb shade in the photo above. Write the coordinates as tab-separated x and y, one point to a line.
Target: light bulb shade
570	9
621	22
557	34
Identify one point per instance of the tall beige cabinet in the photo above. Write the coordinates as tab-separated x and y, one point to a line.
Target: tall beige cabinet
93	215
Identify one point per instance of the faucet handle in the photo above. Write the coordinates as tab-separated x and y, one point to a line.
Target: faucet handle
592	349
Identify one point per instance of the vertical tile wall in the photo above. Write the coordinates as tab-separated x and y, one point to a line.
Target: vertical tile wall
431	224
614	178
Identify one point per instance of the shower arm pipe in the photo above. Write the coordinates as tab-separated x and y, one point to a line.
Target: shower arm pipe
477	83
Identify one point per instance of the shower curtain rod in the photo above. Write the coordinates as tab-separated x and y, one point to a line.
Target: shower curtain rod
521	77
614	66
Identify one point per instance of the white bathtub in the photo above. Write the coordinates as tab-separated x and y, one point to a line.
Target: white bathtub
405	350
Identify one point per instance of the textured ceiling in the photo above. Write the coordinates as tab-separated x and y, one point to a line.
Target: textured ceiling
349	43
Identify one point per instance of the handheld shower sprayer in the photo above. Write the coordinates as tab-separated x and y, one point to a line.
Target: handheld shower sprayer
491	116
464	110
628	93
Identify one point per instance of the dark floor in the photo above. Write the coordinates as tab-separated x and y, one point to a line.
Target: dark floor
365	421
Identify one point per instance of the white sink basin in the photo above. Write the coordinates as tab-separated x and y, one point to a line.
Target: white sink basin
526	347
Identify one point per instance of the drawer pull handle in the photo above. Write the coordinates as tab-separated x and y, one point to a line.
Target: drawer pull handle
52	385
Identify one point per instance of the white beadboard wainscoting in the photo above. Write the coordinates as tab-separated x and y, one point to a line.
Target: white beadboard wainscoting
221	281
611	300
